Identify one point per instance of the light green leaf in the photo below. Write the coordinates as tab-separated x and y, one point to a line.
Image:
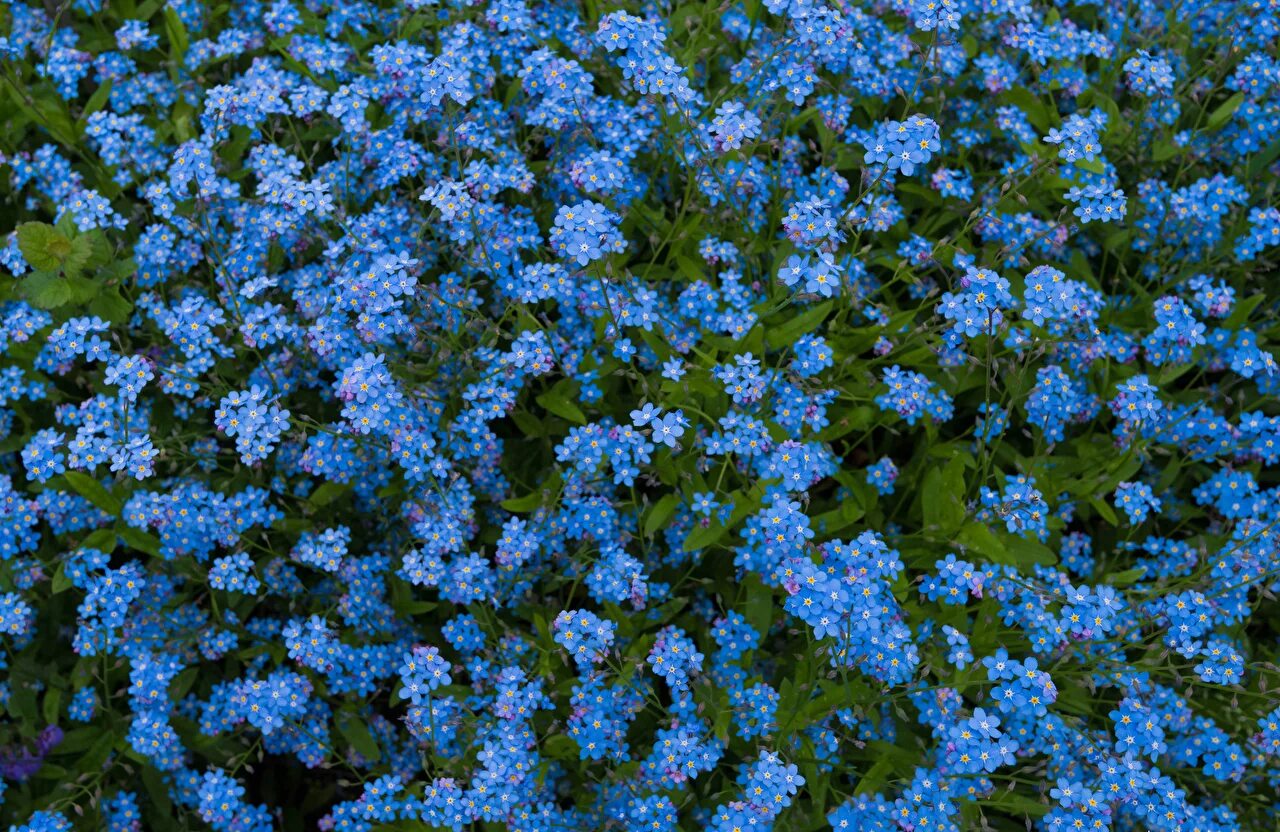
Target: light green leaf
42	245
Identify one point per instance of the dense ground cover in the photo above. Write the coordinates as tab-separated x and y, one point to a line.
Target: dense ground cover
554	416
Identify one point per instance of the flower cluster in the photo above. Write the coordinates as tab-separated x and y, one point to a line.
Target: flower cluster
555	416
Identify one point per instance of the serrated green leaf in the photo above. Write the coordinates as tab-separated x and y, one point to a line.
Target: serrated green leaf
46	290
42	245
78	256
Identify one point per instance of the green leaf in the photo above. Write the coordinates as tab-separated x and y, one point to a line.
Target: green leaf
1105	511
176	33
1243	309
1091	165
78	256
943	496
875	777
1026	552
327	493
111	306
93	491
660	513
1015	803
759	606
1263	160
357	733
1127	577
982	541
528	502
703	536
689	268
555	401
802	324
528	424
157	791
96	101
51	708
1225	111
139	540
101	539
46	290
42	245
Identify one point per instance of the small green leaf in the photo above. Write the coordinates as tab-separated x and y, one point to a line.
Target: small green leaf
1127	577
1105	511
1026	552
759	607
528	424
51	708
801	324
139	540
1091	165
93	491
357	733
96	101
555	401
875	777
660	513
1262	160
176	32
943	496
327	493
703	536
102	539
520	505
61	583
1243	309
1225	111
